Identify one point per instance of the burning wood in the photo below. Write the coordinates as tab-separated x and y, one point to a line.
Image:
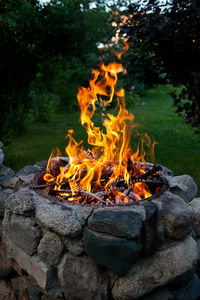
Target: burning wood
118	193
110	171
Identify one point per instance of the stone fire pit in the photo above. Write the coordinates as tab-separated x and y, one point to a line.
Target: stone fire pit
69	251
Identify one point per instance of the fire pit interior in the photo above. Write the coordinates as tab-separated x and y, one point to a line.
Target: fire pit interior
154	182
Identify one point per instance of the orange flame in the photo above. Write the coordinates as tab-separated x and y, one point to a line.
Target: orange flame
119	54
110	144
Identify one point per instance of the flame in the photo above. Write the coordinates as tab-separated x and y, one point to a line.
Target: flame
110	146
119	54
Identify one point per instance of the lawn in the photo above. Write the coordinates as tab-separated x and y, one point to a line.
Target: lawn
178	147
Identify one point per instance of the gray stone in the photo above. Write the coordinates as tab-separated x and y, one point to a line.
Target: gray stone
195	204
1	156
178	189
160	235
6	244
42	165
25	180
117	254
27	170
25	233
11	183
5	173
187	181
157	270
21	203
64	220
116	222
50	248
80	279
178	216
166	171
74	245
149	229
4	194
45	277
36	293
33	290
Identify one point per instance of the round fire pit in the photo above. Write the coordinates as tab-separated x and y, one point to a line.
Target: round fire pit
100	251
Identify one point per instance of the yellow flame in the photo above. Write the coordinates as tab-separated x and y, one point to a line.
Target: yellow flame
110	145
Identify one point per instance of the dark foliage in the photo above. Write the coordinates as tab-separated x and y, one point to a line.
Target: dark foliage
36	42
165	47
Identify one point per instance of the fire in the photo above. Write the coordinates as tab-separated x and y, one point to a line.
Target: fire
110	158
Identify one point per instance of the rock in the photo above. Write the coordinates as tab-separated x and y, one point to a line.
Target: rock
195	204
177	216
27	170
5	267
50	248
117	254
115	222
4	194
42	165
25	233
1	156
11	183
5	249
74	245
5	291
21	203
166	171
160	235
187	180
178	189
80	279
155	271
149	229
64	220
5	173
1	144
45	277
34	291
25	180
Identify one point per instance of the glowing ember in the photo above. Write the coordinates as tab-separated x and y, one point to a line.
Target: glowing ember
99	170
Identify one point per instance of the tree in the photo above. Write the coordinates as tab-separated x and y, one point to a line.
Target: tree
166	40
33	37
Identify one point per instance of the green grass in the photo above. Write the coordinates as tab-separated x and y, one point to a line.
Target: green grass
178	148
